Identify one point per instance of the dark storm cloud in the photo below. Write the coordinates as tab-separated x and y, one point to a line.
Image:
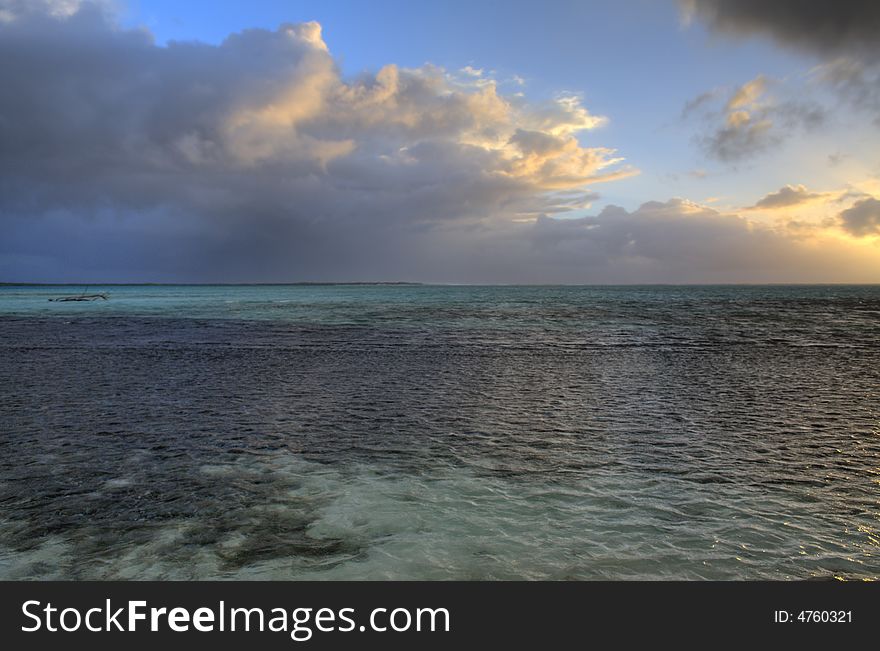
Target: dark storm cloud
255	156
254	160
827	28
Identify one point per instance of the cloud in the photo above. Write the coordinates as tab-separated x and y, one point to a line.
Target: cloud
269	100
747	95
789	196
14	9
824	28
844	35
256	160
750	121
746	125
855	81
862	219
261	134
681	241
700	101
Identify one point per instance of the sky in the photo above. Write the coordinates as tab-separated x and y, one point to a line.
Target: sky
562	141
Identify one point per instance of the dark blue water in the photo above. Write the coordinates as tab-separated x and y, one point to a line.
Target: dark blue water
440	432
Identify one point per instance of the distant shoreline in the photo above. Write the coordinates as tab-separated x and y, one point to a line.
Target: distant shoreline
306	284
433	284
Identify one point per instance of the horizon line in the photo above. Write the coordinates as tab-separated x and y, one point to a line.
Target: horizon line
434	284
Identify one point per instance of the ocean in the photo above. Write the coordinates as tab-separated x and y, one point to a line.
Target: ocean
440	432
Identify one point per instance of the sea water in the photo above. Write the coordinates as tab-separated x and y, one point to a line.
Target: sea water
437	432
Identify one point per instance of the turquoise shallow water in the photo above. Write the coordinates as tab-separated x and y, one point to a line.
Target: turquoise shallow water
440	432
397	305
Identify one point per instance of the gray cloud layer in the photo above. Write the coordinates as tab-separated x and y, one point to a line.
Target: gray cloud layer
255	160
863	218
